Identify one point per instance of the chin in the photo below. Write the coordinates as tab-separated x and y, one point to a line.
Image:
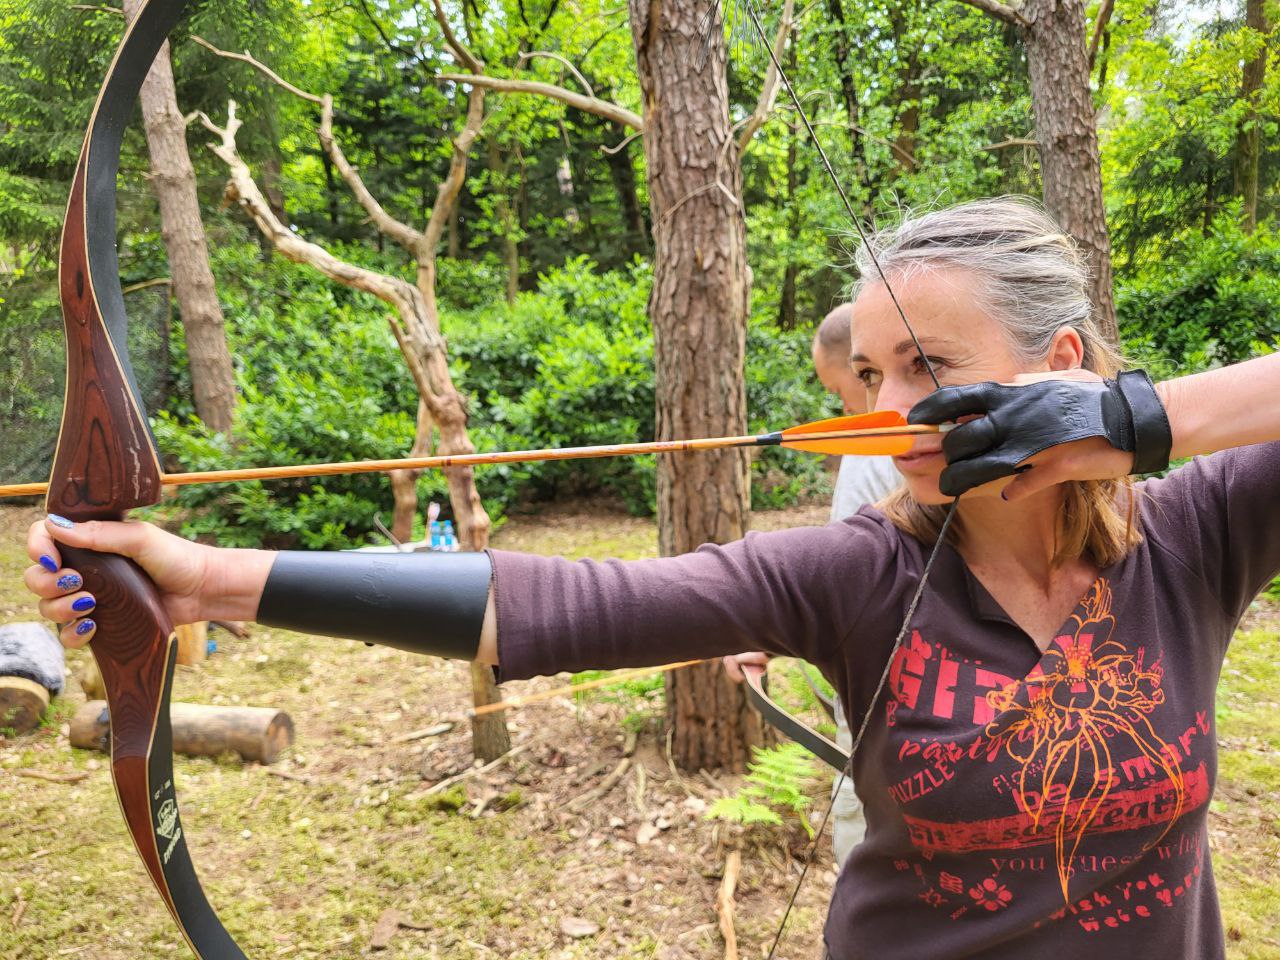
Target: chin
924	490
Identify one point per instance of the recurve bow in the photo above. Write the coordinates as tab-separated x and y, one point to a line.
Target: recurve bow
106	463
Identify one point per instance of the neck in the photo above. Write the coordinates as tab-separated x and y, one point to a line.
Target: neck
996	534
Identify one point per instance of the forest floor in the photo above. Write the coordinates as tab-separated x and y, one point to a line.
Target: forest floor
302	859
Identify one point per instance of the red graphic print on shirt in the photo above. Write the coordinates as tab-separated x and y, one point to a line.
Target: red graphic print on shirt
1073	746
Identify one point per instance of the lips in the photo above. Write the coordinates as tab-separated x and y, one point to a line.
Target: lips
917	459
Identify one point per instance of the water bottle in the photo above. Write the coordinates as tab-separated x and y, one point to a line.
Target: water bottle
437	538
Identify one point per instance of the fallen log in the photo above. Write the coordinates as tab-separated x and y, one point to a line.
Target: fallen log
257	734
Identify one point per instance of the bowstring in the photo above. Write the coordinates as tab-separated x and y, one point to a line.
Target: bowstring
748	7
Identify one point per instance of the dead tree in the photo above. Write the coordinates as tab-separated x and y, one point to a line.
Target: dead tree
414	320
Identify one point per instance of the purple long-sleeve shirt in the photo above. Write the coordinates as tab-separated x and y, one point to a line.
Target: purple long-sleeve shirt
1019	804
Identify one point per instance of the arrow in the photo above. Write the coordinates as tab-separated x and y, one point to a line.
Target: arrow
883	433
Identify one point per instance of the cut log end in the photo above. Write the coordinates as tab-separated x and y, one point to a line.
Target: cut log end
22	704
257	734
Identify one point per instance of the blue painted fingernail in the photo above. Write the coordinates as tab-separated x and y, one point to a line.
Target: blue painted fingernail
83	604
70	581
85	626
62	522
49	563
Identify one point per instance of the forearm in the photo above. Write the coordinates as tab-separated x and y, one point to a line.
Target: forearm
1230	407
239	577
432	604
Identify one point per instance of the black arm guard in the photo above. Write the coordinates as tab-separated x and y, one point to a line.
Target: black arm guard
420	602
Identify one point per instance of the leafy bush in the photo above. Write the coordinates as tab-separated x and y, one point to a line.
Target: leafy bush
570	364
1208	301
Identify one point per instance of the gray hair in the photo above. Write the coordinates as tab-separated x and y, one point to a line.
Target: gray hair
1034	279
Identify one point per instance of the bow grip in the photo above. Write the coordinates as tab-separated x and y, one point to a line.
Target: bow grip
136	649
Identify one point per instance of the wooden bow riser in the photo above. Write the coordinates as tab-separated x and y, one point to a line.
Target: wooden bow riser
105	464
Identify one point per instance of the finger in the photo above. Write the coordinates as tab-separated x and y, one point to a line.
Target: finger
732	668
972	439
48	585
950	403
68	608
41	548
964	475
104	536
77	633
1030	482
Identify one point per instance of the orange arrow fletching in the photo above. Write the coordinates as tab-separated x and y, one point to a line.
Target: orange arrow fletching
888	434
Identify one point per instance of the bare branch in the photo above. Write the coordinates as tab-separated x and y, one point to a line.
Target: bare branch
621	146
447	196
525	57
1012	142
401	233
1007	12
1099	28
601	108
114	11
456	46
241	189
769	91
261	67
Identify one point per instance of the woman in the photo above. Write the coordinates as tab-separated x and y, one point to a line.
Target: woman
1037	775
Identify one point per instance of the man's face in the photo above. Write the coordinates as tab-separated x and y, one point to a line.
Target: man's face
838	378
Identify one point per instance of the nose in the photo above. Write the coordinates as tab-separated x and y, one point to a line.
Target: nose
896	395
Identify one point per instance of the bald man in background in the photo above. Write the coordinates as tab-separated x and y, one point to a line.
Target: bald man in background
861	480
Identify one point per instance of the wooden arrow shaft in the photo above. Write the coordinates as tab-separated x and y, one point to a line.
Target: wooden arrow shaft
509	456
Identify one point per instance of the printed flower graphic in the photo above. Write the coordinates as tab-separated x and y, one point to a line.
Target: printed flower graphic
991	895
1087	695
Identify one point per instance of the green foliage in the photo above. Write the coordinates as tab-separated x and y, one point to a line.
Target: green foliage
1210	300
567	365
776	792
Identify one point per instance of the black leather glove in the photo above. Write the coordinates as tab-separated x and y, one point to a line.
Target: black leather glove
1019	422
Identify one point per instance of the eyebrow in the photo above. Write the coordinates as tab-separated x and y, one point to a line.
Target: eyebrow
903	346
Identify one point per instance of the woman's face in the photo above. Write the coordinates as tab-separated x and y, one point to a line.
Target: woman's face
962	342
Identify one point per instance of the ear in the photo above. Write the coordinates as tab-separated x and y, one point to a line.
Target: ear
1067	350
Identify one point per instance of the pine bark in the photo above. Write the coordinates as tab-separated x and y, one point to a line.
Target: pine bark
1248	149
698	308
1070	166
173	179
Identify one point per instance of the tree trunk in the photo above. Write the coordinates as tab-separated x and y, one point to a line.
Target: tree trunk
787	300
623	175
404	483
698	308
908	90
849	93
174	181
1058	64
1249	137
505	215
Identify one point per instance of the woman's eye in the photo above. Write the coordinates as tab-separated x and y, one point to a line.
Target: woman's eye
920	367
868	378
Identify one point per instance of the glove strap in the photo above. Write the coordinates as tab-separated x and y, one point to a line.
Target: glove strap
1153	437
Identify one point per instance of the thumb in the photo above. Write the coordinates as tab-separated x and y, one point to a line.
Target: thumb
128	538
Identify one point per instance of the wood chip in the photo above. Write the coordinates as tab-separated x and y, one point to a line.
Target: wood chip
607	784
577	927
389	923
55	777
432	731
724	903
448	782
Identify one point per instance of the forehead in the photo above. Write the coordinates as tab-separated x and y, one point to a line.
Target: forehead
942	303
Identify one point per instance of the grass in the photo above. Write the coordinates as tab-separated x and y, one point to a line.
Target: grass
304	869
